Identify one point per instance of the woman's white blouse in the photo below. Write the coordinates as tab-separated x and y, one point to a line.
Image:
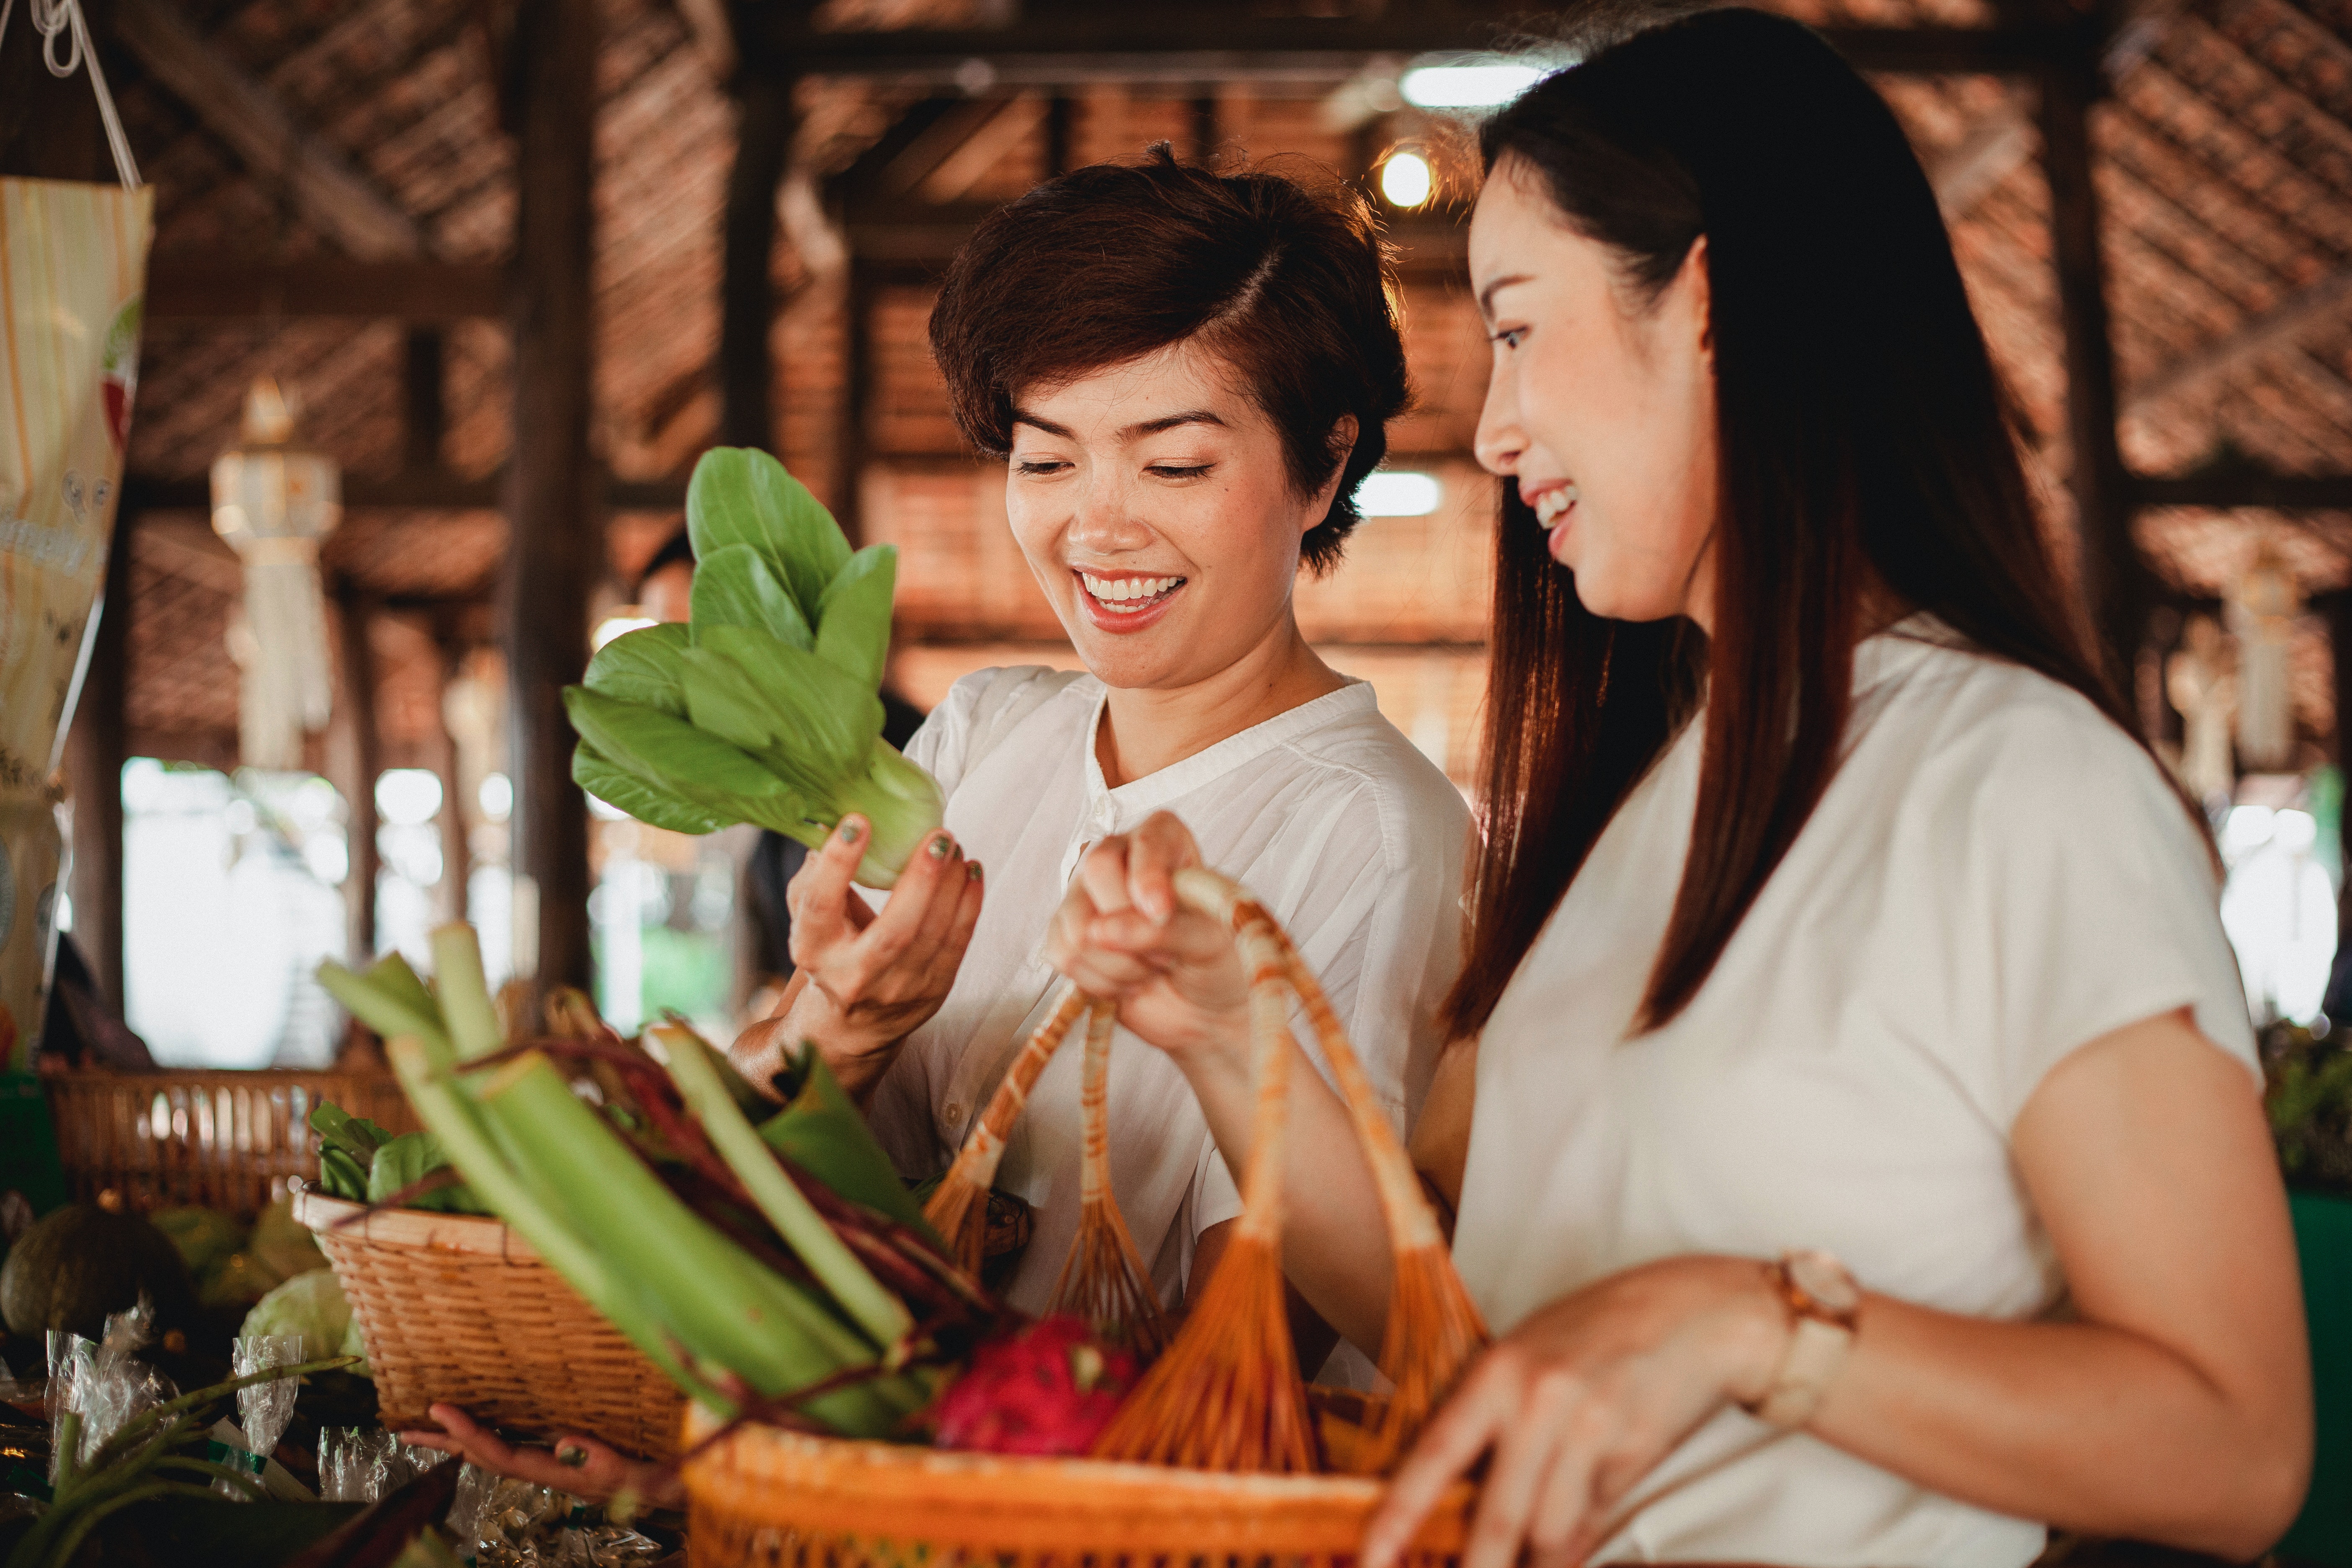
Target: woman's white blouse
1351	837
1996	876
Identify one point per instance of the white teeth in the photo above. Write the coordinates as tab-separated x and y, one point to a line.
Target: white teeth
1552	503
1126	594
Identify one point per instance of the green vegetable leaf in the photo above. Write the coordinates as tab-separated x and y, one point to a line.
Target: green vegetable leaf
641	666
722	698
825	723
853	632
740	496
648	803
408	1159
735	587
673	755
355	1135
822	1132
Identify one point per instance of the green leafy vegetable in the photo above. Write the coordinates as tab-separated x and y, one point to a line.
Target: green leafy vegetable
410	1159
766	707
822	1132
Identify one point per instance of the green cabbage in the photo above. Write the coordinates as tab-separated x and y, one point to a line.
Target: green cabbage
766	706
311	1305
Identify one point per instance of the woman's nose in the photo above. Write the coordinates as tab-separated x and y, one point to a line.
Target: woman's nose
1105	519
1499	440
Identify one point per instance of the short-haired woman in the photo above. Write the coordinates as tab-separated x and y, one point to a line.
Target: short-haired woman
1866	1162
1188	374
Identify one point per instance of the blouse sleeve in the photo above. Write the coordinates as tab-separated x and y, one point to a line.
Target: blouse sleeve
2087	901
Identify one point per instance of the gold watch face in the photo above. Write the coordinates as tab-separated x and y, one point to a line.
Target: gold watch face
1824	1279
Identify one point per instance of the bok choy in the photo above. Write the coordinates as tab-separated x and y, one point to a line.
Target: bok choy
765	707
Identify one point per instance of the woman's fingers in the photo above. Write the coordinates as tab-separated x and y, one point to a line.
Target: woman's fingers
818	894
1102	872
1156	852
947	957
1448	1446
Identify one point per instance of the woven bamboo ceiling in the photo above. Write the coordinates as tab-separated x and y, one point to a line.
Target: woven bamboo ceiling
369	130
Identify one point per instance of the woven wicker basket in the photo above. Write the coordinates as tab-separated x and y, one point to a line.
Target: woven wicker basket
762	1496
774	1499
227	1140
459	1309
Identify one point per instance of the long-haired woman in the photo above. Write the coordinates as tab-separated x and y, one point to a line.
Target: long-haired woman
1865	1162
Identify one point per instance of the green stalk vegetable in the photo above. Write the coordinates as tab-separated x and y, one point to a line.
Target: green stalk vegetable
883	1317
467	1010
391	1000
765	707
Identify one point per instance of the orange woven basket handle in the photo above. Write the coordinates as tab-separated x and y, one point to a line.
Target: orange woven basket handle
958	1210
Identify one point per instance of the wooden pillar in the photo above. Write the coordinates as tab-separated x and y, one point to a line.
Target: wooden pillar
1060	112
555	530
354	758
747	294
1204	125
857	371
457	857
424	412
96	749
2114	580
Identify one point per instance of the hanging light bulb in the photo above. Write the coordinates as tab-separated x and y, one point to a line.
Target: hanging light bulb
2263	609
274	503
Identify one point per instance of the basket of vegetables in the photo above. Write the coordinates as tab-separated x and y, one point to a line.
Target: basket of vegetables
450	1304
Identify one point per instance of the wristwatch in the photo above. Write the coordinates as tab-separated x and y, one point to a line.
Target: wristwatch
1824	1309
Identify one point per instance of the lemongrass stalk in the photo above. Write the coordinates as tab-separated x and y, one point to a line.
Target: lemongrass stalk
450	1115
855	1290
466	1002
388	1006
729	1308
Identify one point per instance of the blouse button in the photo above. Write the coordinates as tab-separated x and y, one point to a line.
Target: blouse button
953	1112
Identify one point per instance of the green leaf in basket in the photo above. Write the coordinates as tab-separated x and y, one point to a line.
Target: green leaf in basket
823	1133
408	1159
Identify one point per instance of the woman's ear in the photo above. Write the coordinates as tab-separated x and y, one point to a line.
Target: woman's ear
1341	445
1695	277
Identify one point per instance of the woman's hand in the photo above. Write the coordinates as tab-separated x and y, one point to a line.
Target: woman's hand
580	1466
1582	1400
1120	934
872	979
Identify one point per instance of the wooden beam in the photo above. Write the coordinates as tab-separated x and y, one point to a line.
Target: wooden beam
555	530
2325	304
886	233
354	758
96	749
435	489
2278	492
247	115
2113	576
210	289
747	290
1162	44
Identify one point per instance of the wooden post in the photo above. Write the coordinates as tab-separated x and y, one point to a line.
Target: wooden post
457	857
747	295
354	758
1204	125
857	371
95	753
550	498
423	411
2114	580
1059	114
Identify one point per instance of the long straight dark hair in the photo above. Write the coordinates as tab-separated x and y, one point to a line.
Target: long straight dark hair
1862	433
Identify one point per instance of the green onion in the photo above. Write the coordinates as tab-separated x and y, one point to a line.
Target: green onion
765	707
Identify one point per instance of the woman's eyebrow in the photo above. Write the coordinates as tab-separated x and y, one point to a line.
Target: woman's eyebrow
1169	422
1487	295
1023	417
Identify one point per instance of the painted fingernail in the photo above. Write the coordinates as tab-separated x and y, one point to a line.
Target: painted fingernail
849	831
971	870
571	1455
940	847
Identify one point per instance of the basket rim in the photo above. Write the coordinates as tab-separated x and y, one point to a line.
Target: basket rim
701	1421
478	1236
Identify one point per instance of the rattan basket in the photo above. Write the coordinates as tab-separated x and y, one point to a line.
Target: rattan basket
459	1309
761	1495
774	1499
227	1140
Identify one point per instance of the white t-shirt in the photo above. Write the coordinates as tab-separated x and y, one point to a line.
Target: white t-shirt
1351	837
1996	876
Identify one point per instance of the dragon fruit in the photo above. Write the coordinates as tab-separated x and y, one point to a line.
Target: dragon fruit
1049	1387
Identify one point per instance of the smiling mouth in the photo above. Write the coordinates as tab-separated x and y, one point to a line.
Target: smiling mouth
1552	505
1127	595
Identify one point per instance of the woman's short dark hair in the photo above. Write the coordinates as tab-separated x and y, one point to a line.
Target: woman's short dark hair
1862	436
1288	285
